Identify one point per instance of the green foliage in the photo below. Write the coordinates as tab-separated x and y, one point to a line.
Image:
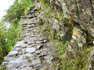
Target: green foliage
67	62
2	67
77	63
3	48
18	9
8	37
46	1
12	36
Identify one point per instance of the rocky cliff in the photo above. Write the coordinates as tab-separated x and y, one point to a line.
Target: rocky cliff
56	35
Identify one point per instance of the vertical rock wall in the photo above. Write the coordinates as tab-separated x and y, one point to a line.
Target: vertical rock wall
33	52
76	27
80	11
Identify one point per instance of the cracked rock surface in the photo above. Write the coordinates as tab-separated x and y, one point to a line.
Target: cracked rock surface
33	52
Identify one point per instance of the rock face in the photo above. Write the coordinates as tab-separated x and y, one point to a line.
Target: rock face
33	52
75	28
90	65
76	43
81	12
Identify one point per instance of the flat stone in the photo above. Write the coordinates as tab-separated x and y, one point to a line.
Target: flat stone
13	53
38	52
39	46
19	44
30	50
29	53
45	41
36	62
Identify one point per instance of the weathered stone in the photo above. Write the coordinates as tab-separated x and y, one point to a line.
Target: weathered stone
39	46
28	54
90	65
34	52
13	53
30	50
19	44
80	11
54	24
77	42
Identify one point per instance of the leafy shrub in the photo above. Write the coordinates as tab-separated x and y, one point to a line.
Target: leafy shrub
46	1
2	67
3	48
8	37
17	10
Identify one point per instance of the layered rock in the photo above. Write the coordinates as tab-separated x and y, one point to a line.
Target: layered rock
33	52
82	12
75	28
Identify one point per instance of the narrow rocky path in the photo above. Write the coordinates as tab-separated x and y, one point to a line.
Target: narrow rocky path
33	52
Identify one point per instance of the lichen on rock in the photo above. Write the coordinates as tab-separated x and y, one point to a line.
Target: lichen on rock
57	35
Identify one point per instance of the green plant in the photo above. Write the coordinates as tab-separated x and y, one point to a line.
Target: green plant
17	10
8	37
2	67
3	47
12	36
46	1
